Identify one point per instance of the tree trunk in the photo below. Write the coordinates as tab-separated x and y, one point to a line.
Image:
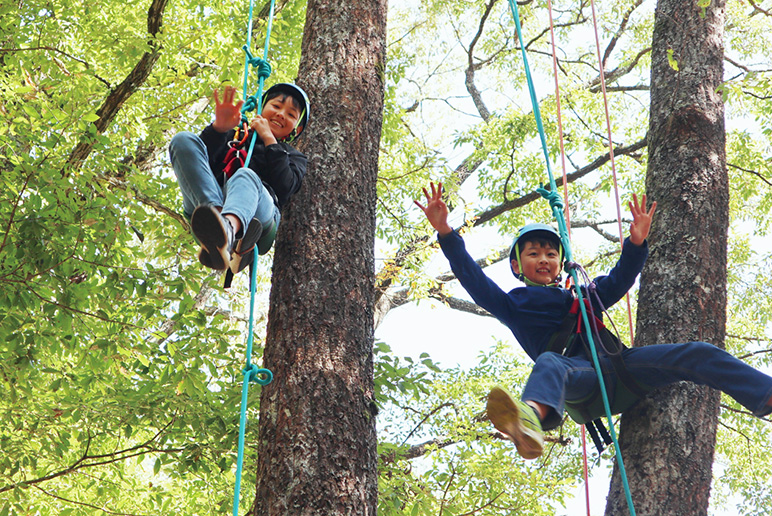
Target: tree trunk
317	451
668	440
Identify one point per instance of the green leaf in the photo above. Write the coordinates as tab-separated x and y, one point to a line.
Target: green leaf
671	60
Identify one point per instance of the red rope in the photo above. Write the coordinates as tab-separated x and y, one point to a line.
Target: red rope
560	120
586	470
611	155
567	211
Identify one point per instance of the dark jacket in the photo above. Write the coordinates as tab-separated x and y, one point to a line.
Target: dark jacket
281	167
534	314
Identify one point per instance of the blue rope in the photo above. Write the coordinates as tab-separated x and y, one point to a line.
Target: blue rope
263	71
556	205
251	372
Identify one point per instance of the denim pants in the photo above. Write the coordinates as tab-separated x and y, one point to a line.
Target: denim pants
556	378
243	195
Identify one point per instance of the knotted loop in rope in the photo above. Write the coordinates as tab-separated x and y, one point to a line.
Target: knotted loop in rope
554	198
570	266
258	375
262	65
250	104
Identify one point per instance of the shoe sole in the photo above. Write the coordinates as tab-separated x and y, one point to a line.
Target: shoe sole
505	415
242	255
207	225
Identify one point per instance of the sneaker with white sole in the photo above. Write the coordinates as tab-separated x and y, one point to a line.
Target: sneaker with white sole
518	421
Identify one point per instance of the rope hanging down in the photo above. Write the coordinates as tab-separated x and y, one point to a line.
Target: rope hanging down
251	372
556	203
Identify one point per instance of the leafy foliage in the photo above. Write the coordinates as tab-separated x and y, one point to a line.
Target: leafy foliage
120	357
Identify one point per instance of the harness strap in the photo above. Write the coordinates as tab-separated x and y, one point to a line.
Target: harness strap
627	392
234	159
598	433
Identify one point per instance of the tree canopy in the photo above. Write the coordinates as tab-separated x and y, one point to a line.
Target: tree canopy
120	357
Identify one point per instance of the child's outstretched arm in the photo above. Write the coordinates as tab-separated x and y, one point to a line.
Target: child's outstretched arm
227	114
436	210
641	225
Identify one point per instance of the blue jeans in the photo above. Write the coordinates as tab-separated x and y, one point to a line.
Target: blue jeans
243	195
556	378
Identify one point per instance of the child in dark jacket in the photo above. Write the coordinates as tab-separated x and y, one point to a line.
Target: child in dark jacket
535	313
231	204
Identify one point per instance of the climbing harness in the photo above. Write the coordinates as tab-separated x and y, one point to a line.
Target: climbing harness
251	372
557	206
569	340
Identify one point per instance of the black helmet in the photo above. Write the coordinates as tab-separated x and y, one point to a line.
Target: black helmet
298	94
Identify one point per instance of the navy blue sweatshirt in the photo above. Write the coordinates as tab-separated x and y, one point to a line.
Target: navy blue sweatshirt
534	314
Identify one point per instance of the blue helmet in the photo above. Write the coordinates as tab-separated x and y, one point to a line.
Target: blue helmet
535	230
298	94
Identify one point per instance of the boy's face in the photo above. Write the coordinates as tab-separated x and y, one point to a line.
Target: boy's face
541	263
282	115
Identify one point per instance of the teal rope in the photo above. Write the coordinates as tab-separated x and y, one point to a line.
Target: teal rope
251	372
263	71
556	205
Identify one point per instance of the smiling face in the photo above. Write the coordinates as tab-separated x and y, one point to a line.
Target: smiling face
540	261
283	114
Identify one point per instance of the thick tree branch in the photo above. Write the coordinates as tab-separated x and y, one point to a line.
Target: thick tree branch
622	26
618	72
119	95
759	10
471	87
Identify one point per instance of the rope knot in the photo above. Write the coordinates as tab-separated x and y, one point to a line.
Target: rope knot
263	66
569	266
250	104
259	375
553	197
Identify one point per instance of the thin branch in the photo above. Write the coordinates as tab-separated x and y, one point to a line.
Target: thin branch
82	312
423	420
15	206
753	172
758	9
59	51
495	211
147	200
84	504
470	69
100	460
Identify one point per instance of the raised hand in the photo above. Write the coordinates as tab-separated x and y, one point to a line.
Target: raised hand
227	114
641	225
436	210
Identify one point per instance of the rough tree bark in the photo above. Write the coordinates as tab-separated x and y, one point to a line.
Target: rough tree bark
668	440
317	449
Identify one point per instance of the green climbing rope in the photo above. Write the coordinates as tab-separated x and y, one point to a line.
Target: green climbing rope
556	203
251	372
